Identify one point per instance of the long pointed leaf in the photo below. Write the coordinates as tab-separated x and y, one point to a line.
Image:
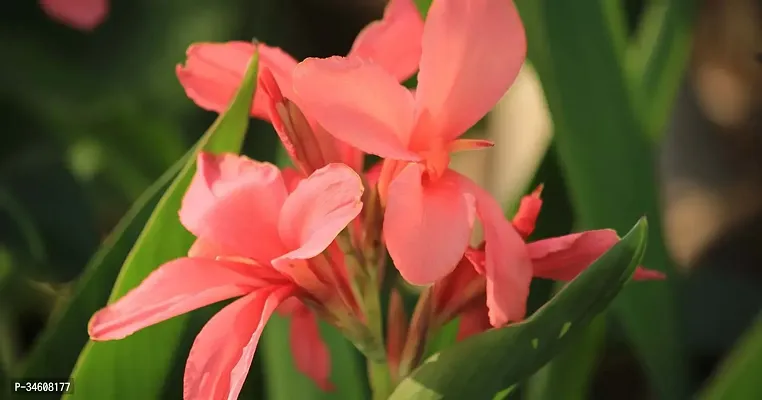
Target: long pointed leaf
483	365
137	366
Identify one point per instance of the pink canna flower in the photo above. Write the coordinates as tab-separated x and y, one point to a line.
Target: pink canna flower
84	15
462	294
256	240
213	71
471	54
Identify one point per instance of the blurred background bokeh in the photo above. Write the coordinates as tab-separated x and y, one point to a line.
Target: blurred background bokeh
91	118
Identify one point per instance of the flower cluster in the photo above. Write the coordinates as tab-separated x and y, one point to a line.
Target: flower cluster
311	242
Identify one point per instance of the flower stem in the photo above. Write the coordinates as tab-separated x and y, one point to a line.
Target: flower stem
380	380
365	284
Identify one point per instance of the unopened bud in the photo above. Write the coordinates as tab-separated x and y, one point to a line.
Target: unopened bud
371	229
300	140
415	345
396	331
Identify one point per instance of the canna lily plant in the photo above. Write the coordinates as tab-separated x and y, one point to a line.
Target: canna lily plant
310	242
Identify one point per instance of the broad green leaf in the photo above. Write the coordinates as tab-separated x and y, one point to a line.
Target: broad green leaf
483	365
283	381
56	351
137	366
739	376
608	162
567	376
445	337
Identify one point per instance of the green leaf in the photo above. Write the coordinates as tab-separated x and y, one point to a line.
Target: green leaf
55	352
608	162
567	376
137	366
738	377
423	6
444	338
283	381
483	365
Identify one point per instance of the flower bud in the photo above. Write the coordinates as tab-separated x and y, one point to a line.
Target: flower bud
309	149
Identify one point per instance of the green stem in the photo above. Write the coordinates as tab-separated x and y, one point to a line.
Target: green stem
380	380
366	285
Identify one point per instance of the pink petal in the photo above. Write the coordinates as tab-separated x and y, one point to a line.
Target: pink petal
213	72
472	52
348	154
563	258
205	249
458	288
222	352
396	332
291	177
320	207
242	215
473	321
84	15
426	225
508	267
643	274
358	103
393	42
291	306
218	175
175	288
477	258
372	174
311	354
